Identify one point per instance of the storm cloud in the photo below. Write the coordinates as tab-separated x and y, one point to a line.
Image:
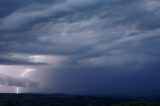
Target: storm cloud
110	43
17	81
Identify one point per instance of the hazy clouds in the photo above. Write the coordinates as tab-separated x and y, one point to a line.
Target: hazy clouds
17	81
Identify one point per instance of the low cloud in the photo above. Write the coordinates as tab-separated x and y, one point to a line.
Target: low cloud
17	81
20	59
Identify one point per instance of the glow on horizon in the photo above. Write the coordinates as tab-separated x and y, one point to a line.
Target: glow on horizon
23	75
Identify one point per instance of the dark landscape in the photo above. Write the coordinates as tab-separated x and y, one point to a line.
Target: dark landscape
73	100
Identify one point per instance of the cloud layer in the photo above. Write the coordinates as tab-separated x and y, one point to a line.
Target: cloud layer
69	38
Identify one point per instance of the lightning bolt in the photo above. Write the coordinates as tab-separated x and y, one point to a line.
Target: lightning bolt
23	75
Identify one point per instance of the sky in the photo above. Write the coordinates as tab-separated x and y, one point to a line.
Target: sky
86	47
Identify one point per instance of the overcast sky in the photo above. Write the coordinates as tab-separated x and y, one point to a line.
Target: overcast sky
93	47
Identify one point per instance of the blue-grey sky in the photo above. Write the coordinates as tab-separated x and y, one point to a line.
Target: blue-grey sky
93	47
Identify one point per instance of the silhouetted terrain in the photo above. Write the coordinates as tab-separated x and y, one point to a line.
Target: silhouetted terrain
72	100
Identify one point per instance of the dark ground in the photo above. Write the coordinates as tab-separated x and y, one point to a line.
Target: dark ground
72	100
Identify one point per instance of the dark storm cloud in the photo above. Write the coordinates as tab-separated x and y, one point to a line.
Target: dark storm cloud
18	59
9	6
92	35
7	61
